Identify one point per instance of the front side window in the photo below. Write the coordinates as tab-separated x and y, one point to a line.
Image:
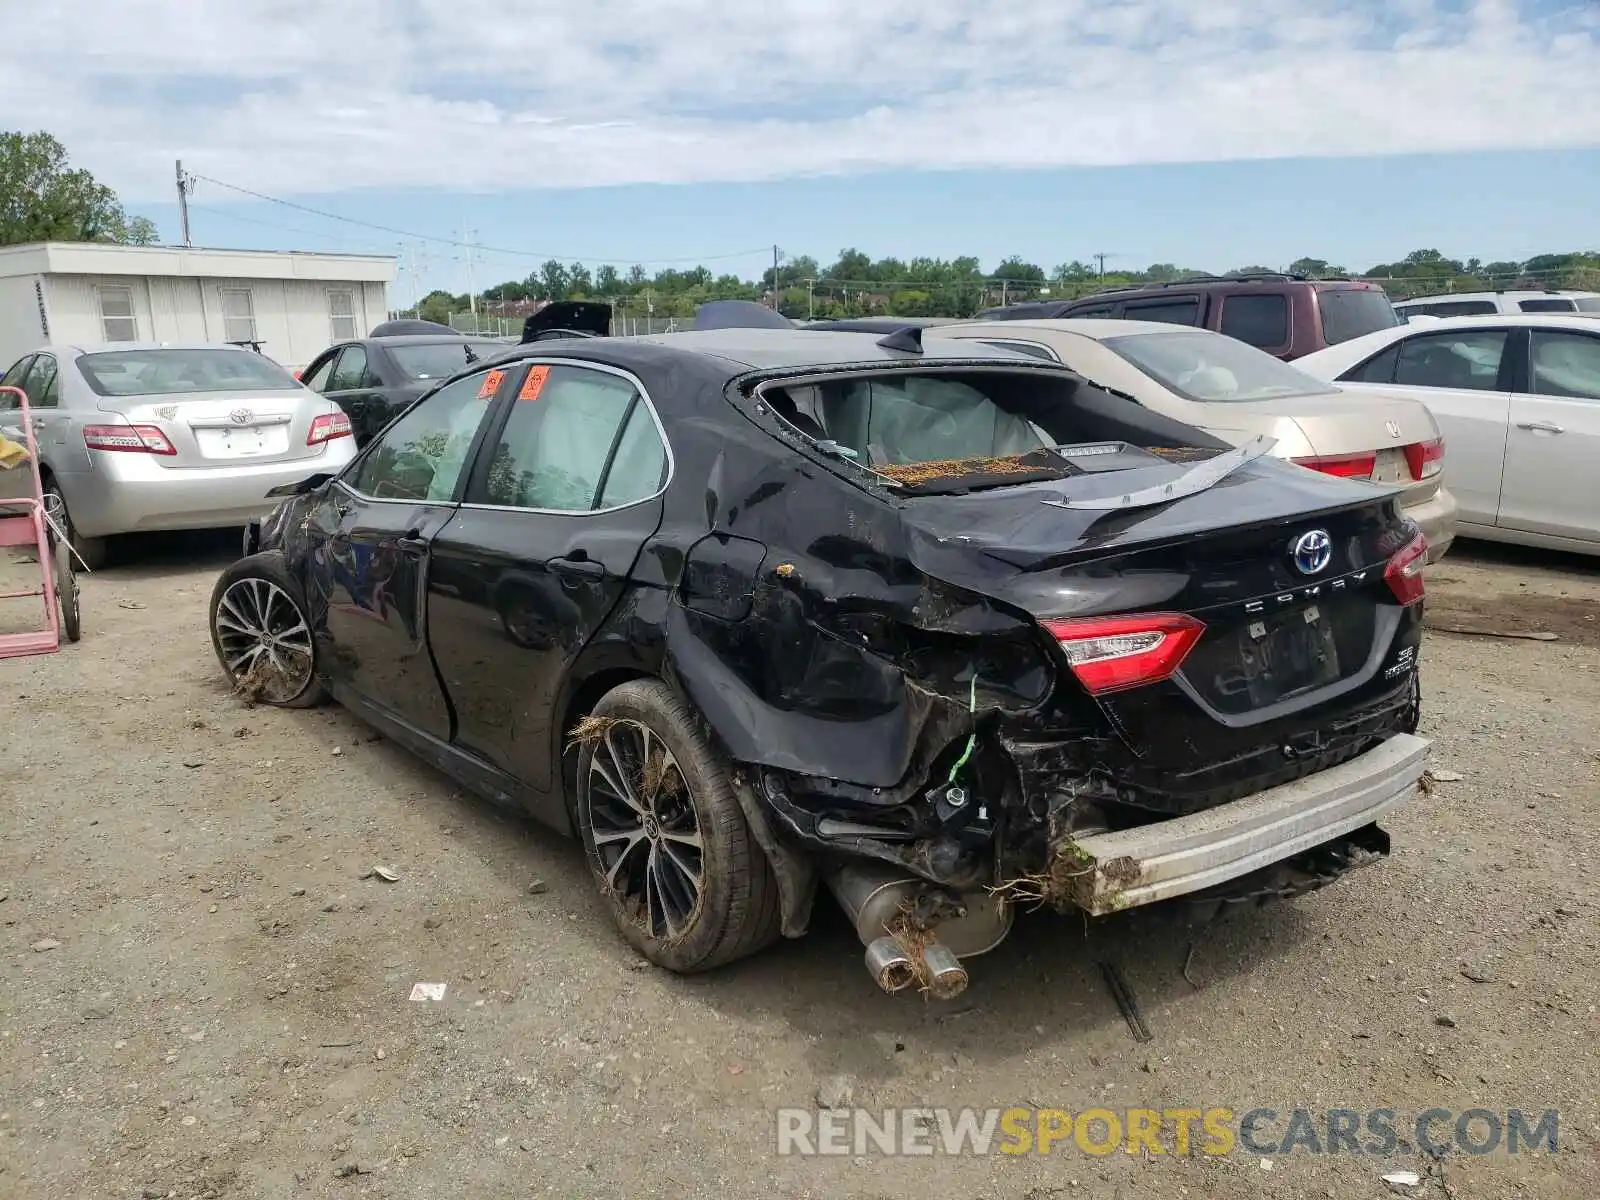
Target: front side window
238	315
317	378
1259	320
422	455
164	372
576	439
1453	308
1566	364
117	322
1465	360
351	373
1199	365
342	314
13	378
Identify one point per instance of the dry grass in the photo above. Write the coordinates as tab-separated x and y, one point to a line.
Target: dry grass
590	730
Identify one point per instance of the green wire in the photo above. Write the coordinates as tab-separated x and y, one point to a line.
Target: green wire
972	738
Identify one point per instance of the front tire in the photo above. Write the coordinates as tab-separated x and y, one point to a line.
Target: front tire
262	633
666	840
66	589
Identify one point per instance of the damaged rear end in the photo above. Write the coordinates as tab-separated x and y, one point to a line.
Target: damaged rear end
1038	645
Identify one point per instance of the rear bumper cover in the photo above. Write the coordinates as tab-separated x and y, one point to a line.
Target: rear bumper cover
1189	854
1436	517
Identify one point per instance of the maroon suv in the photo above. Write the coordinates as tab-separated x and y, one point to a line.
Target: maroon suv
1285	315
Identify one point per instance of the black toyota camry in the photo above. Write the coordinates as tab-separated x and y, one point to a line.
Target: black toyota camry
763	612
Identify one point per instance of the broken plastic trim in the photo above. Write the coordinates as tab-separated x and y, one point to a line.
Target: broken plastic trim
1191	483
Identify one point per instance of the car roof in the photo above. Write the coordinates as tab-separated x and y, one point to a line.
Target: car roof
758	349
1098	328
1561	320
112	347
1510	294
423	339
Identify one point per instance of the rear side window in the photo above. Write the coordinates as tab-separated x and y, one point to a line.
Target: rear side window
352	370
1262	321
1094	310
1453	308
1558	304
1354	312
1032	349
1566	364
1184	311
1588	304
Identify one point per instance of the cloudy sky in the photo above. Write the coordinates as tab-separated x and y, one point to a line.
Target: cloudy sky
907	126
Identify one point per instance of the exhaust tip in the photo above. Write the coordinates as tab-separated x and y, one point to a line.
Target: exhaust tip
947	978
890	967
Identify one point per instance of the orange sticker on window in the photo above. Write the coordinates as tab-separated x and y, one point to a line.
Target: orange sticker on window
490	384
534	383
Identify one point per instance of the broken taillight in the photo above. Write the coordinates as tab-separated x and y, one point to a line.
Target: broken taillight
1426	459
1109	654
327	426
1346	466
136	439
1404	572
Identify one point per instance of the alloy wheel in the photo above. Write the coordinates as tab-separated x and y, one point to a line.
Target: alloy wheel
264	639
646	834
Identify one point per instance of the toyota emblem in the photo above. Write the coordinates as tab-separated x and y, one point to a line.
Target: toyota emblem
1312	551
241	416
1393	428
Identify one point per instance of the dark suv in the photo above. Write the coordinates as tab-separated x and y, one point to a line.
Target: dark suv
1285	315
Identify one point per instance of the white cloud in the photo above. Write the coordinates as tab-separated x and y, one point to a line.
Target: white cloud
297	96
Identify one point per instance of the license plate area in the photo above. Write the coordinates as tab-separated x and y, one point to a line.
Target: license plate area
245	442
1391	467
1283	655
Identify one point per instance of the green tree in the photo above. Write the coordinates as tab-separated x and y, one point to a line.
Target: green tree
553	280
437	306
1316	268
43	200
606	280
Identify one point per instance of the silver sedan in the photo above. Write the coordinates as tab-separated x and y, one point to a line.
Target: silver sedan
1237	392
136	437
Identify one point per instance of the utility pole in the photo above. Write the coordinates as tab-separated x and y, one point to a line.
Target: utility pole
472	286
1003	284
811	305
774	278
183	201
1101	259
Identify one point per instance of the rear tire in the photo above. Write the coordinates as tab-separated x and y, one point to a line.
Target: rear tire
262	633
666	840
92	550
66	589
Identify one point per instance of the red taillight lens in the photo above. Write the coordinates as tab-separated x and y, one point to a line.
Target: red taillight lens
136	439
1426	459
326	427
1109	654
1346	466
1404	572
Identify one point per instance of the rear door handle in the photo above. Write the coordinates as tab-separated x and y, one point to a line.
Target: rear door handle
585	567
1541	426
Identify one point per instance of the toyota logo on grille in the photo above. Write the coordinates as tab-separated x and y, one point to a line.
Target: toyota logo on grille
1312	551
240	416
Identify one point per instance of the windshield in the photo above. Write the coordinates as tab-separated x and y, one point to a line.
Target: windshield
439	360
1354	312
172	372
1213	368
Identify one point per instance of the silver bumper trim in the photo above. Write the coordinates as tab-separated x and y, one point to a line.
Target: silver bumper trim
1187	854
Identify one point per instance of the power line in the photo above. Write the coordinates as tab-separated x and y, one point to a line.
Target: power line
427	237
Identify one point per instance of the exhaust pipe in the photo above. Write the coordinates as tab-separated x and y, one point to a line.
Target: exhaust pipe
890	967
947	978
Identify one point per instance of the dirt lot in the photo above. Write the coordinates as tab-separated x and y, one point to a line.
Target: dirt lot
201	996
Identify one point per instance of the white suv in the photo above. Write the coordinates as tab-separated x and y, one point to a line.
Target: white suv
1474	304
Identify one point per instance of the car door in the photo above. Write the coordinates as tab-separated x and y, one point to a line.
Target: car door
1464	377
1552	475
43	386
371	570
540	552
352	386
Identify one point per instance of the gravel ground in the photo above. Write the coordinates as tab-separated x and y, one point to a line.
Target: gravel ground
200	994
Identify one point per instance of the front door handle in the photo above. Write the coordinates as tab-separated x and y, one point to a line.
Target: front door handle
584	566
413	540
1540	426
